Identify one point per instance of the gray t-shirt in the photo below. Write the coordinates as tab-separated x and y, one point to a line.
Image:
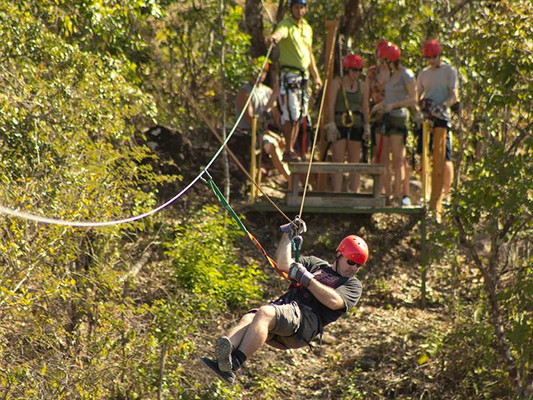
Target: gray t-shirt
349	289
259	101
436	84
396	91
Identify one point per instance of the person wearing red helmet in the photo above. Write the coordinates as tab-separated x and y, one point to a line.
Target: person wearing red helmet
377	77
294	37
437	92
400	94
318	295
348	117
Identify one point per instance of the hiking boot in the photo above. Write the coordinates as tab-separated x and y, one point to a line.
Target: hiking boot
228	377
406	201
223	349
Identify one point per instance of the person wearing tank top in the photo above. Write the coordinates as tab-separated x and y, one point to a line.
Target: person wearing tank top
348	118
400	94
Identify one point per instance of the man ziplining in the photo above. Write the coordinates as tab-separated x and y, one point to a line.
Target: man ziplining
318	295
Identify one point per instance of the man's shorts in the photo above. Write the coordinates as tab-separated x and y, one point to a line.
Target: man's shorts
437	123
288	319
293	98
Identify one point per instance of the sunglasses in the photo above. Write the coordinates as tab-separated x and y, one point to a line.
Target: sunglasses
430	57
350	262
355	69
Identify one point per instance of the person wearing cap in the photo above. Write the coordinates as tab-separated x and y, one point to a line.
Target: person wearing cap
294	37
262	106
437	92
318	295
348	117
400	94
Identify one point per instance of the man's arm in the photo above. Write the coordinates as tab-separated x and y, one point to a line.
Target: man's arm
452	98
326	295
283	253
314	70
242	96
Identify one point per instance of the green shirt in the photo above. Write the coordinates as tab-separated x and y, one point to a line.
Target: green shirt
295	44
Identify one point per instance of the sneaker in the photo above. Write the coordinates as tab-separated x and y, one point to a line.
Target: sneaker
406	201
228	377
223	349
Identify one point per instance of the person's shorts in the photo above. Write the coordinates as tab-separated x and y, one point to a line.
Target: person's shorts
351	133
293	98
437	123
395	126
288	320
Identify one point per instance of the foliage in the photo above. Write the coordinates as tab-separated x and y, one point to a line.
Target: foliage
205	262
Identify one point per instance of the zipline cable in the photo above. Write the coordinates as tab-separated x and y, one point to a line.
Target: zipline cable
320	111
97	224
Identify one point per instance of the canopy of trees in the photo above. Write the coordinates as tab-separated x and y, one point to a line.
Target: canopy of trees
81	80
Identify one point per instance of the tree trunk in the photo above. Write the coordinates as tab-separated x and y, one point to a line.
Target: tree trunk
352	18
253	19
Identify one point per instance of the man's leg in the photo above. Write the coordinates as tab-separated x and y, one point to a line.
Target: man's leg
447	179
257	331
271	150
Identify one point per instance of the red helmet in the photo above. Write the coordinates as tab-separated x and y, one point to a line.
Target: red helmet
379	45
389	52
354	248
431	48
352	61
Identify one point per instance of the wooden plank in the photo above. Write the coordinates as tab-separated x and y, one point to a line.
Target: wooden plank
329	167
337	201
265	206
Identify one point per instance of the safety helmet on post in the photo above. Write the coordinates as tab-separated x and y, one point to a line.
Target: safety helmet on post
390	52
293	2
431	48
352	61
354	248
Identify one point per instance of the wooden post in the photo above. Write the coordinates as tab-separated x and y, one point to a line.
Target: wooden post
437	175
253	159
426	132
331	28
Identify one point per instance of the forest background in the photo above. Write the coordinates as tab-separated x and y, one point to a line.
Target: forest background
121	312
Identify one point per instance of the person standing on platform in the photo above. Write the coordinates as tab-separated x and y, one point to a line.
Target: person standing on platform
348	118
294	37
437	92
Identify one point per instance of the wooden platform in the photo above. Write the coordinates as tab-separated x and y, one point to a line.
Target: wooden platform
265	206
336	200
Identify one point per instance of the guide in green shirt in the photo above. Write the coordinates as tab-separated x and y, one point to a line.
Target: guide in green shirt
295	39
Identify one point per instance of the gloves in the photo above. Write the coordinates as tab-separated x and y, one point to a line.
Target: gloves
300	274
418	119
366	133
332	133
294	228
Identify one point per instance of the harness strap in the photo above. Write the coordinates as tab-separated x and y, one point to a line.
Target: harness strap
252	238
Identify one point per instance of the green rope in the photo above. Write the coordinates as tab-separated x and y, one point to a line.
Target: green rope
225	204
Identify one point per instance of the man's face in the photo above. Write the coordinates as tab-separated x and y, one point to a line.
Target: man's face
298	11
433	61
346	267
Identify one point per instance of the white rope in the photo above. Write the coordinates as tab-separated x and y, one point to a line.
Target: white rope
95	224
